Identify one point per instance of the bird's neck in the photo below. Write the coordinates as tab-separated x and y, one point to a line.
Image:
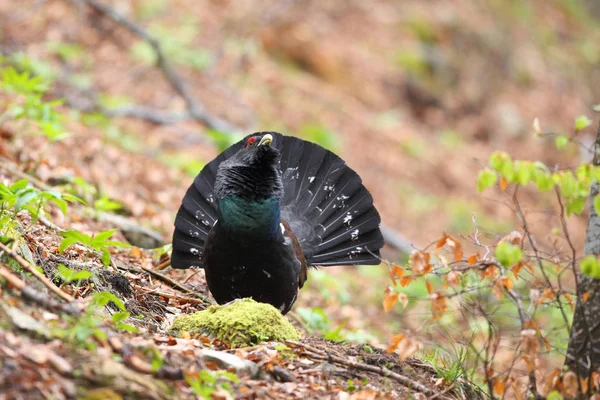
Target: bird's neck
259	218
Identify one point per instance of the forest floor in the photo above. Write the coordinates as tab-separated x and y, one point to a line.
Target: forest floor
386	86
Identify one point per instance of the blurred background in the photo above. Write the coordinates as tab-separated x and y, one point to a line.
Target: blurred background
414	95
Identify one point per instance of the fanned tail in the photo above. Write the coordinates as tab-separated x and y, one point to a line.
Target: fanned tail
327	207
197	214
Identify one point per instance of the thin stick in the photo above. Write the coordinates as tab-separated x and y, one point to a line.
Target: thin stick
30	268
195	108
29	293
170	295
405	381
168	281
163	265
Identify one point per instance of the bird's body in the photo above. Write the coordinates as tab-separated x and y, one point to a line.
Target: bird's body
267	208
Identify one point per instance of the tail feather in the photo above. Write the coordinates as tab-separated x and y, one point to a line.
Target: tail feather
197	214
351	252
327	207
325	204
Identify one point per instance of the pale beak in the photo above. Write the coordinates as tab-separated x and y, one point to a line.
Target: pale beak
266	140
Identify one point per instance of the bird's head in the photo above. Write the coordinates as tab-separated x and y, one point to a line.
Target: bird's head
253	172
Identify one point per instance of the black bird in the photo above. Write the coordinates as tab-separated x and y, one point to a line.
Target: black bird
267	208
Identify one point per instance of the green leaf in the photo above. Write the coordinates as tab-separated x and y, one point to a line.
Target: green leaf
25	197
486	179
508	254
21	184
103	236
524	171
561	141
105	257
543	180
575	205
554	396
103	298
582	122
127	327
81	275
498	159
106	204
73	199
590	266
120	316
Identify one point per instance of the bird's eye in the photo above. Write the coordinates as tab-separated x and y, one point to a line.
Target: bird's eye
250	141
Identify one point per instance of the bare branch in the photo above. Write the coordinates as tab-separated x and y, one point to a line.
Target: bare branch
195	109
396	240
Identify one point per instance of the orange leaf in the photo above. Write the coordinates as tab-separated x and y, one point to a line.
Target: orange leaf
389	299
185	335
136	252
499	385
458	255
395	272
395	341
405	281
586	296
438	305
403	346
473	259
549	381
596	380
453	278
490	272
441	242
419	262
515	238
547	294
403	299
529	267
569	299
429	287
497	290
516	269
507	282
570	384
503	183
399	271
456	247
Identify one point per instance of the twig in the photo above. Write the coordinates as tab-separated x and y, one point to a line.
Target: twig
30	268
153	115
405	381
396	240
163	265
171	295
195	109
163	278
29	293
120	222
12	168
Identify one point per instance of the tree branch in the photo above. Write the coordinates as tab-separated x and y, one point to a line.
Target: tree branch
195	109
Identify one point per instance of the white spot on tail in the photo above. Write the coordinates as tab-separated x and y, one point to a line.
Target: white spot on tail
311	179
354	234
282	229
194	251
347	218
266	273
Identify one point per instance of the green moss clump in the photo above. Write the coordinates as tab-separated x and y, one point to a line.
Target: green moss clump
240	324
